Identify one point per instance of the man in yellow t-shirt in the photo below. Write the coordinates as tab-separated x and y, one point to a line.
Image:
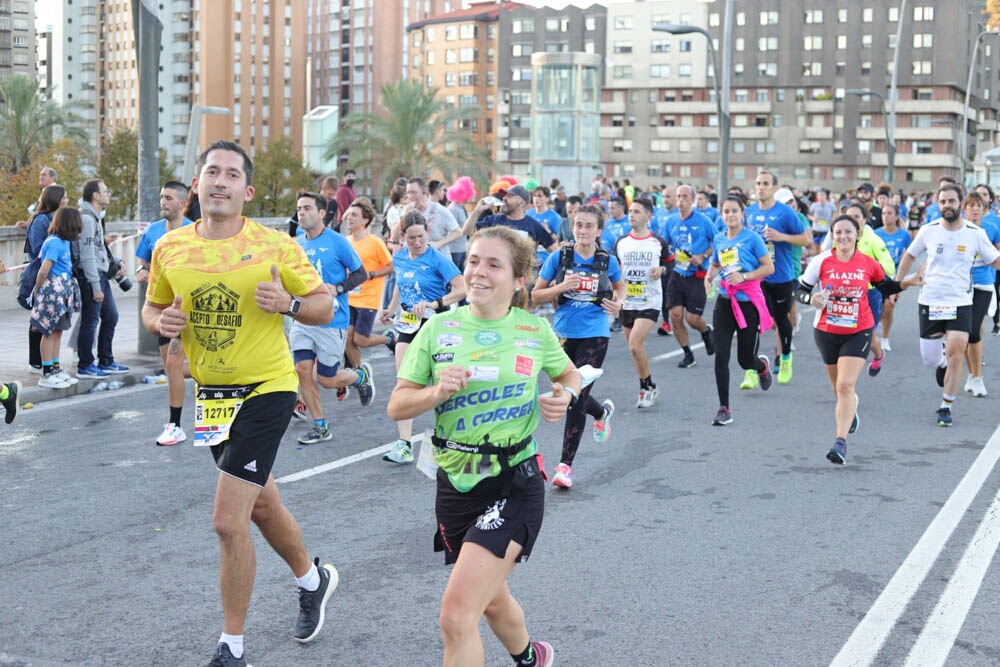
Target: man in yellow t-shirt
221	286
365	299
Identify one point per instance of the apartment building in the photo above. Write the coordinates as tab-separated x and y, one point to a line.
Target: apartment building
795	108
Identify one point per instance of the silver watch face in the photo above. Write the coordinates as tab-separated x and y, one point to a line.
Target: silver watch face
293	307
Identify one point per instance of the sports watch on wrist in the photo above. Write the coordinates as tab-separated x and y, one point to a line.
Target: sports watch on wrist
293	307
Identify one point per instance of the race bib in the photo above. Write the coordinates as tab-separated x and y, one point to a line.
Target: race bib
215	408
942	312
635	289
843	311
770	249
682	260
730	260
821	226
408	323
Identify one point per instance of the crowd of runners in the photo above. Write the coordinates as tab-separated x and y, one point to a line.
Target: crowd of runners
475	297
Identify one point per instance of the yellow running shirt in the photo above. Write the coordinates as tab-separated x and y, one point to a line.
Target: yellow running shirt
228	339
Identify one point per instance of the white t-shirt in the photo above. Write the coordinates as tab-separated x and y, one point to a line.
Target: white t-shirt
637	257
440	223
950	257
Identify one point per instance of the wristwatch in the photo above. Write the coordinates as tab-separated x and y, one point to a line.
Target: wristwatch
438	304
293	307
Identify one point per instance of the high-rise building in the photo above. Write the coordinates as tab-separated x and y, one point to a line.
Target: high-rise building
358	46
480	58
796	77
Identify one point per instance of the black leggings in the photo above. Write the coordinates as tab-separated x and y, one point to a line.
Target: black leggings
582	351
779	303
747	340
996	288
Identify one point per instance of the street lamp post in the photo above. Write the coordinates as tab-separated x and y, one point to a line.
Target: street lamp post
890	142
194	130
964	136
721	98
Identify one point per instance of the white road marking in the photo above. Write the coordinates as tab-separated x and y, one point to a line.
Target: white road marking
863	645
346	461
942	628
675	353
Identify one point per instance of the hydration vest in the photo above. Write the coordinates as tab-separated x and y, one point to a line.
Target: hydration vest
602	261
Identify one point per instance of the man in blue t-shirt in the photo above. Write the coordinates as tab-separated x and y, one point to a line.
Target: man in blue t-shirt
617	224
173	197
781	228
513	215
321	347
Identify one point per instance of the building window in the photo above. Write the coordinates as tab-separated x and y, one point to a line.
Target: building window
840	69
623	47
741	18
922	148
714	20
683	70
622	72
921	121
450	33
769	18
812	69
622	146
814	16
809	146
659	71
659	146
925	13
767	69
866	67
867	14
469	31
841	16
739	147
521	74
866	41
741	95
623	23
893	14
767	44
468	55
841	42
522	25
712	146
762	95
812	43
449	78
865	120
685	46
864	147
923	40
684	146
659	47
922	67
590	23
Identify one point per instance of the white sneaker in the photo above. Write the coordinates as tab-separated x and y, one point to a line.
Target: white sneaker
66	377
172	434
978	386
647	397
53	382
885	345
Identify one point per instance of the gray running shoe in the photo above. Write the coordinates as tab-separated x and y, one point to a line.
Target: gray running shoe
224	657
312	604
316	435
366	391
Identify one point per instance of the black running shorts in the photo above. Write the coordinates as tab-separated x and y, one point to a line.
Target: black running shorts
254	437
930	329
834	346
629	317
484	517
687	292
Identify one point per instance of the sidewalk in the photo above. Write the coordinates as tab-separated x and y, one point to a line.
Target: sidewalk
14	348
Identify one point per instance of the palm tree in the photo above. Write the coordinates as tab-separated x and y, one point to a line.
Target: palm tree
30	122
418	135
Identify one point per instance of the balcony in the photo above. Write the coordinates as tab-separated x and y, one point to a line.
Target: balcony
687	107
929	106
613	107
819	133
687	132
612	132
748	132
748	108
817	106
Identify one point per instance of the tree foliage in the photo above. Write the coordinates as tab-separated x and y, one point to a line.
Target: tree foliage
417	135
119	169
277	175
992	14
20	190
31	122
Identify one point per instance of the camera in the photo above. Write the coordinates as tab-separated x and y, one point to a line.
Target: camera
123	282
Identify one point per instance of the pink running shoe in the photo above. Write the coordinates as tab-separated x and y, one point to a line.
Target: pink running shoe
544	655
563	476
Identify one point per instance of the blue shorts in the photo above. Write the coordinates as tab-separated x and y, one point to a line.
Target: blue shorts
875	303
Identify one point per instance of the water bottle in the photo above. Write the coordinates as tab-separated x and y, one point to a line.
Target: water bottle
824	296
100	386
116	384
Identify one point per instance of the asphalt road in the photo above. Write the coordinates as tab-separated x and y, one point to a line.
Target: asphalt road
681	543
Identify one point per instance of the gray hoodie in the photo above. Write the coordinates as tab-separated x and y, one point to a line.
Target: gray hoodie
93	255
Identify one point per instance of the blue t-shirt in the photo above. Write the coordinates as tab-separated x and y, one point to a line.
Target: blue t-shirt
782	219
896	243
613	230
333	257
739	255
154	233
526	226
551	221
984	274
579	317
57	250
932	212
687	237
423	278
709	212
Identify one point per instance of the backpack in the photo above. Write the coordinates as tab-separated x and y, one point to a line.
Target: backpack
602	260
26	283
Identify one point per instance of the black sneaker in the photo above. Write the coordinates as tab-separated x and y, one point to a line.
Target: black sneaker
944	416
366	391
723	417
312	604
707	338
939	375
766	377
996	330
687	362
13	402
224	657
391	343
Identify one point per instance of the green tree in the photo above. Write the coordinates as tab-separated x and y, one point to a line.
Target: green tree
119	169
30	123
418	135
19	190
277	175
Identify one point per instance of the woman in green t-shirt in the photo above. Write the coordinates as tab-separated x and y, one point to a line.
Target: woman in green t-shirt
478	368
